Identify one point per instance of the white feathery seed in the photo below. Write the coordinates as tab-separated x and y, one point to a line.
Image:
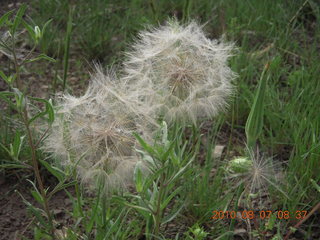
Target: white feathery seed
177	72
173	72
258	174
95	132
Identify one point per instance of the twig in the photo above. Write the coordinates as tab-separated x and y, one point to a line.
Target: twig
297	13
42	137
303	220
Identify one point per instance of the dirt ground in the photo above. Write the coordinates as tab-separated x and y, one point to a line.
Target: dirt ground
15	220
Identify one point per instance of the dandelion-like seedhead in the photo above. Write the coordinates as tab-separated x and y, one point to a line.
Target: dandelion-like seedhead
94	132
177	72
258	173
174	72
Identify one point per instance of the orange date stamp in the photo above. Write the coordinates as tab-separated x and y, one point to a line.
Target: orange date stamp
263	214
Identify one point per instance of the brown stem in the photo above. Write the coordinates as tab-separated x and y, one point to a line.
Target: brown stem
42	137
28	55
303	220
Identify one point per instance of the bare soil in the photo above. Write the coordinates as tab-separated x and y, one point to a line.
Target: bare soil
15	220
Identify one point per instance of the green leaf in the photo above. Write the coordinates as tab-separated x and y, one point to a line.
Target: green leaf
35	193
138	178
4	96
40	57
18	18
165	156
4	17
17	143
164	131
3	76
116	225
38	213
271	222
180	172
152	177
173	215
8	79
89	225
315	185
144	145
126	203
30	30
50	110
67	48
5	149
38	115
13	165
61	186
254	122
59	174
37	196
45	26
20	98
170	197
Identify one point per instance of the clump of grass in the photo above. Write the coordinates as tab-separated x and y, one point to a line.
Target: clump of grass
179	73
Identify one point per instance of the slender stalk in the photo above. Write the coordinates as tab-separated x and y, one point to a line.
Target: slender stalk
24	117
158	214
79	199
36	169
28	55
16	65
67	49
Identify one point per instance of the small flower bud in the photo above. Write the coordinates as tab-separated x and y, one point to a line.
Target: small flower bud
240	165
38	33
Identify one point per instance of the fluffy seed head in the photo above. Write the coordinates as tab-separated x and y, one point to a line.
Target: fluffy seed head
177	72
94	132
257	172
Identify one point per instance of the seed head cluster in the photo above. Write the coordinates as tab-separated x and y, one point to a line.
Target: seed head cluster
94	132
179	73
174	72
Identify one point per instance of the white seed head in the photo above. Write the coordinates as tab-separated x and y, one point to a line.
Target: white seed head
95	132
257	172
177	72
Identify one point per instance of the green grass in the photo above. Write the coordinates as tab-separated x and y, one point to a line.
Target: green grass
266	31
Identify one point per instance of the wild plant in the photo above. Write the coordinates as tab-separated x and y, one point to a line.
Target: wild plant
180	70
22	106
159	181
254	175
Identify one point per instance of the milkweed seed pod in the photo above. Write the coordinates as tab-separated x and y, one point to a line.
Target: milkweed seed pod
178	73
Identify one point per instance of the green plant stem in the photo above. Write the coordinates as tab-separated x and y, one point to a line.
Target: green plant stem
67	49
79	199
16	65
36	170
158	214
